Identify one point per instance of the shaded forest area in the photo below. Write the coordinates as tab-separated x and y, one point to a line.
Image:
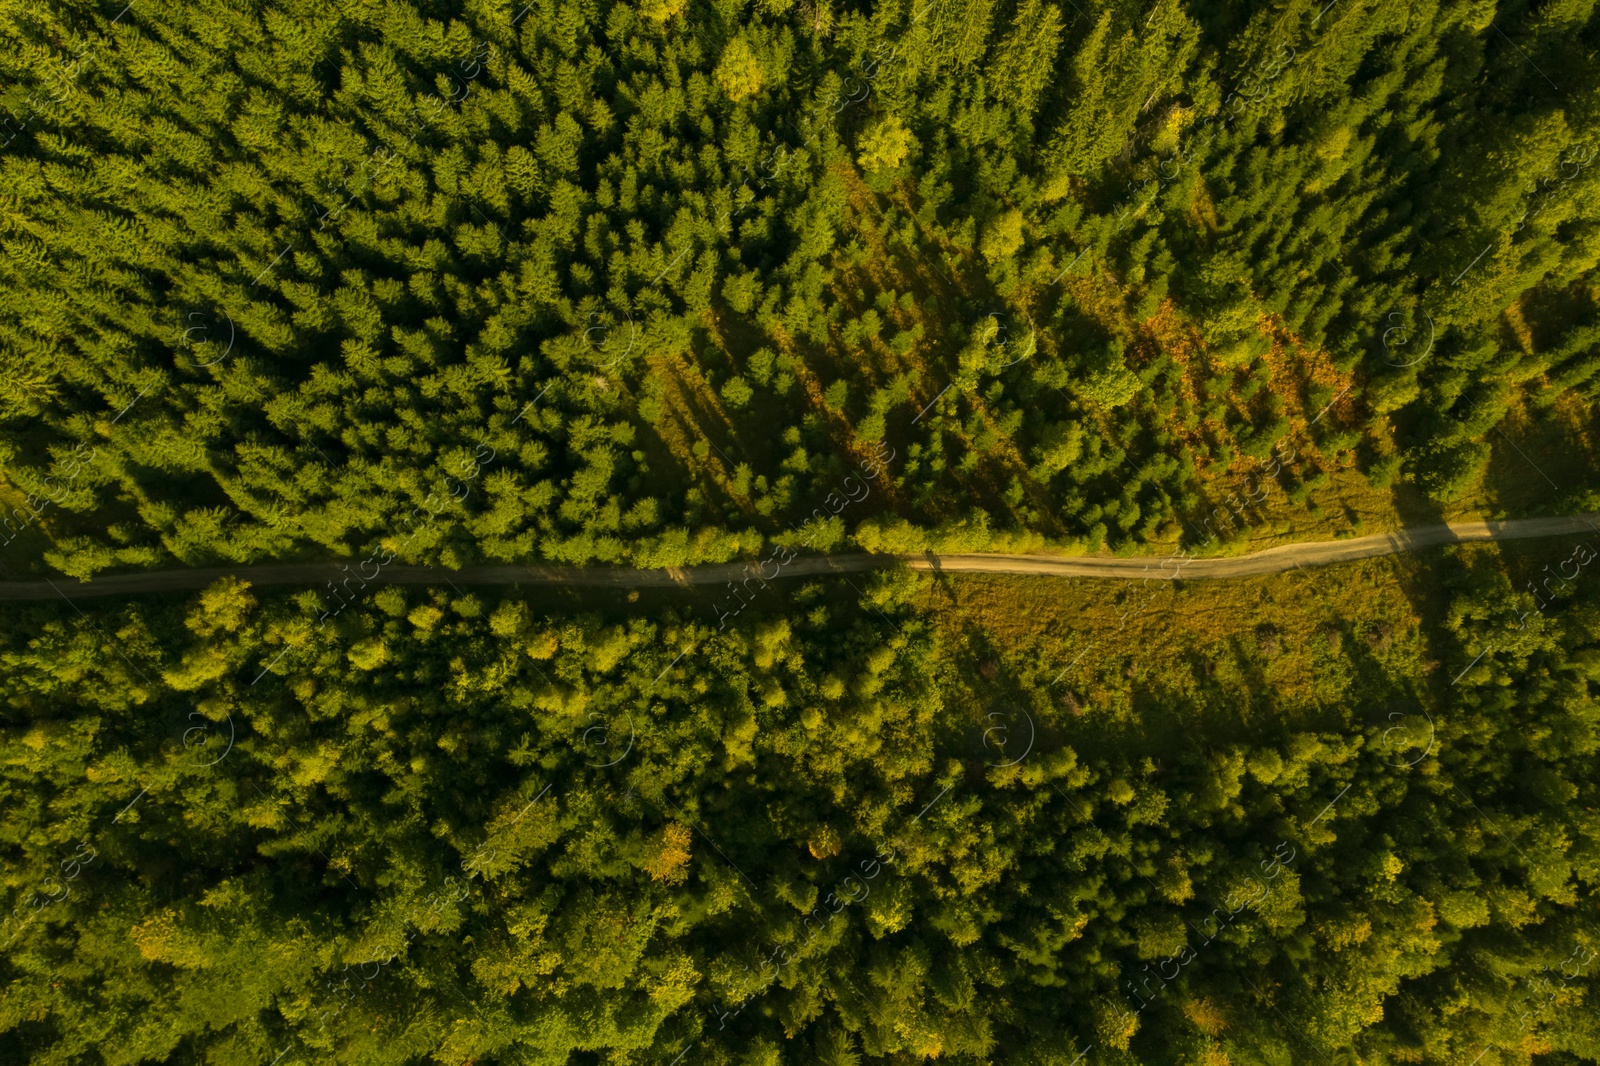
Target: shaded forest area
605	283
450	828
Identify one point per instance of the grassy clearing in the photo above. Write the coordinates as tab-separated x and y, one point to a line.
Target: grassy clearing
1157	667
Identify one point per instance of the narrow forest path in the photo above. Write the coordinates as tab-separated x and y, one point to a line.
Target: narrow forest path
1269	561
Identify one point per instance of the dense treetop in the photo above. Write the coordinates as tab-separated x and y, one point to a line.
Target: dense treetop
679	281
452	829
606	283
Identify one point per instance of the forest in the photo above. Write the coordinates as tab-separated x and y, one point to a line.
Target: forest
669	282
603	283
849	828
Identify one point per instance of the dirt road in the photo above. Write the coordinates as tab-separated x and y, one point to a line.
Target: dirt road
1269	561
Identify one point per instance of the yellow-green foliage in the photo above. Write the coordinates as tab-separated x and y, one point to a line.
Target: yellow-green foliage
739	71
884	145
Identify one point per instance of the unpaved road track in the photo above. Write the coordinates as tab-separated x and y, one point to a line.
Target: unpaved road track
1269	561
